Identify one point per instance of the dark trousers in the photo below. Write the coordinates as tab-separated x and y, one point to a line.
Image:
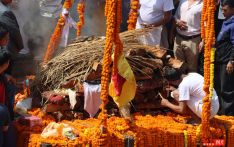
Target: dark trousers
8	139
11	91
4	121
224	86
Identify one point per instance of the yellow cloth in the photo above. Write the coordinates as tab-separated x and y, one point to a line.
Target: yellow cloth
129	86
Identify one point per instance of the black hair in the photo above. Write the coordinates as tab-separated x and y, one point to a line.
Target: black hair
229	3
3	31
4	56
171	74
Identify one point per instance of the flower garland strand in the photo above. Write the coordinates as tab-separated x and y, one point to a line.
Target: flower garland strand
110	12
113	12
208	34
212	56
133	14
80	10
118	44
55	38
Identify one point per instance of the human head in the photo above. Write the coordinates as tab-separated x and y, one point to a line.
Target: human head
4	60
6	2
172	75
4	35
228	8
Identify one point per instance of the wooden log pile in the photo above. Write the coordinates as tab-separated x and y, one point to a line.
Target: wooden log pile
82	61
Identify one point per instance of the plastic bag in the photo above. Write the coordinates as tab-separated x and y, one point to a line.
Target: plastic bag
23	106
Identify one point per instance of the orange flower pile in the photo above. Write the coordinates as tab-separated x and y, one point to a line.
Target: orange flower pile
55	38
133	14
208	35
146	130
46	119
80	10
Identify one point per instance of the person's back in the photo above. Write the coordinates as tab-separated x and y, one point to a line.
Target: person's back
189	95
191	91
194	82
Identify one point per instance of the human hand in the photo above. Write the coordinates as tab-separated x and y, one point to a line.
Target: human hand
229	67
182	25
164	101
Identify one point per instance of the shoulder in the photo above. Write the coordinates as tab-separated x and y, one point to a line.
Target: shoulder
191	78
193	75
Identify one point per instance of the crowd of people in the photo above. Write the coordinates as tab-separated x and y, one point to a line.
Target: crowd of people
175	25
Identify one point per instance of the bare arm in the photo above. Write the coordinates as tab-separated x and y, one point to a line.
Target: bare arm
180	108
166	19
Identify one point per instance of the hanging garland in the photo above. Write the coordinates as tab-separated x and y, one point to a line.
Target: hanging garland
55	38
118	44
208	35
110	12
133	14
113	12
80	10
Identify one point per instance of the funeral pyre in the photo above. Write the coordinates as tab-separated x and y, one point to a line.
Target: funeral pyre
61	80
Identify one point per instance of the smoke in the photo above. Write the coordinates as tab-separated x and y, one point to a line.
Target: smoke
94	18
36	29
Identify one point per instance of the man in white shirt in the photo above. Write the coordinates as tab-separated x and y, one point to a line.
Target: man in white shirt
153	13
189	94
188	40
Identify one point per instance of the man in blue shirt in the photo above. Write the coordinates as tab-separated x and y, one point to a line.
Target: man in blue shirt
224	61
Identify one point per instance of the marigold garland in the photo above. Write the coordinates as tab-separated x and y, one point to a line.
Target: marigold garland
212	56
133	14
55	38
80	10
113	12
110	12
208	35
